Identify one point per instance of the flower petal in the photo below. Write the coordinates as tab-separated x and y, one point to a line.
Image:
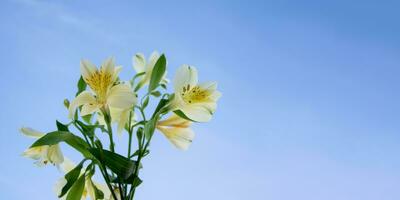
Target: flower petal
181	138
123	119
59	186
87	69
175	120
215	95
89	185
121	96
31	132
152	60
139	62
67	165
197	113
106	191
116	72
108	65
55	155
186	75
35	153
88	109
210	85
83	98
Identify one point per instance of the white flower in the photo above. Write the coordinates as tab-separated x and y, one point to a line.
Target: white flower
88	190
105	92
197	101
140	65
177	131
42	154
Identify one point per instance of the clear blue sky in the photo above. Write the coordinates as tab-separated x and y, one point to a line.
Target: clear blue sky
310	106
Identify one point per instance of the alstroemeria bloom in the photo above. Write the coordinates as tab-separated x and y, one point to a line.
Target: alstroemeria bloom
177	130
42	154
140	65
197	101
105	92
88	190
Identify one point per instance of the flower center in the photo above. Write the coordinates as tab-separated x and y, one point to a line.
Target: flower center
195	94
100	82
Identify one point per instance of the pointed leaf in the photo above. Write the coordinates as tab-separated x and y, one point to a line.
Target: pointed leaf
81	86
118	164
157	73
71	177
61	127
75	193
56	137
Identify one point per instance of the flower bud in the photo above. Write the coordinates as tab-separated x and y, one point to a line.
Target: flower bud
66	103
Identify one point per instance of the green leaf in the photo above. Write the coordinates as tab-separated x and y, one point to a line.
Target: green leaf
132	81
75	193
156	93
163	85
71	177
138	151
61	127
87	129
99	194
157	73
87	118
81	86
182	115
134	180
149	128
56	137
161	104
139	134
145	102
118	164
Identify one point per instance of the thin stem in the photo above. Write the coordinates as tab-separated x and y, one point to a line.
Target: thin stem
107	119
141	112
133	189
107	179
84	135
130	134
110	135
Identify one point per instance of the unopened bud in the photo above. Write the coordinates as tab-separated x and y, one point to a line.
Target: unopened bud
66	103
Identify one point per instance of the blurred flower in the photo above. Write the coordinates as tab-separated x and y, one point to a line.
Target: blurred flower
140	65
106	92
177	130
197	101
42	154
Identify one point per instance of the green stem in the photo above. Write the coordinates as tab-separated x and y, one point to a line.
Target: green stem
130	134
107	119
107	179
141	112
84	135
110	135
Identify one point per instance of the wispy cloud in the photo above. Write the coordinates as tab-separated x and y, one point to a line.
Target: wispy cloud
61	13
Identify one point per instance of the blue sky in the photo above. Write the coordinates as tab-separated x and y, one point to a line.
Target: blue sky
310	106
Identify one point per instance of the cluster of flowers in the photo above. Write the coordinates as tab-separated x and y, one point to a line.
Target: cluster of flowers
111	100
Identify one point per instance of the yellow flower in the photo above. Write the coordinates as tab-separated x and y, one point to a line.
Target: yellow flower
177	131
42	154
88	190
140	65
105	91
197	101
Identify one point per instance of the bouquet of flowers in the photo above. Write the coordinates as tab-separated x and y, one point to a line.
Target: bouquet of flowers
104	102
